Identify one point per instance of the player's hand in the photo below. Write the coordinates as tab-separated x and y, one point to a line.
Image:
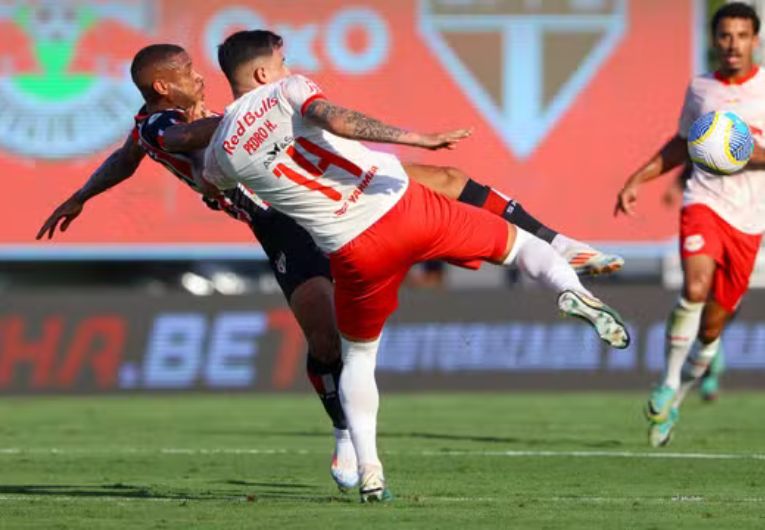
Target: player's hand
198	111
626	201
64	214
446	140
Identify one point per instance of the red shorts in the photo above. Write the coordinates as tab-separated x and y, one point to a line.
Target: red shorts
703	232
422	226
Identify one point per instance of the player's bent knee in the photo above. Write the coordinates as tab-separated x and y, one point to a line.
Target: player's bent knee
324	346
450	182
455	177
696	290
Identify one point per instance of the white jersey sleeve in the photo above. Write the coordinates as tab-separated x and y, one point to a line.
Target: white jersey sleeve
299	92
689	114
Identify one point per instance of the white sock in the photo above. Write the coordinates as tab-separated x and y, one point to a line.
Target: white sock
682	328
694	368
538	259
360	399
346	455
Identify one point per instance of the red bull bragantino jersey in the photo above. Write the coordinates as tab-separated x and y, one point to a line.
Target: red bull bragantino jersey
335	188
737	198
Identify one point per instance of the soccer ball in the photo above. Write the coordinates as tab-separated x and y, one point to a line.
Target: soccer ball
720	143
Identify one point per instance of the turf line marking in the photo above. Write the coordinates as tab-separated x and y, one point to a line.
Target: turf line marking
598	500
456	453
418	499
602	454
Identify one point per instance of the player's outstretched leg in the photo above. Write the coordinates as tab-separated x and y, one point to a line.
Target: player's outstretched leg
583	258
361	400
537	259
455	184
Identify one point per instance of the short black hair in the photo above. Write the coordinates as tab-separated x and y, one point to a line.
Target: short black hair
150	57
736	10
244	46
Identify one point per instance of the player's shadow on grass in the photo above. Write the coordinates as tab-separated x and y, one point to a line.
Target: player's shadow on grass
107	490
243	491
592	444
503	439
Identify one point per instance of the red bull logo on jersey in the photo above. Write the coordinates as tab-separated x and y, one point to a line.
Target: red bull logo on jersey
58	101
246	122
522	63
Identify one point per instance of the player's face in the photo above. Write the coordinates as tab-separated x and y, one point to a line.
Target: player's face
186	86
735	42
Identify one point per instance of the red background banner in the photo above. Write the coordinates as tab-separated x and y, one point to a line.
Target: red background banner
622	114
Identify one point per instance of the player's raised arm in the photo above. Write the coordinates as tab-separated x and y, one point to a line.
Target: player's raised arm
195	133
357	126
119	166
671	155
186	137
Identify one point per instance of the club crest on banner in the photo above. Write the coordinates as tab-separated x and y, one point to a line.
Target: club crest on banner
522	63
50	111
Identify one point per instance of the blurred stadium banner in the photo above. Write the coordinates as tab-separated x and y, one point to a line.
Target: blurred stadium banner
471	340
567	97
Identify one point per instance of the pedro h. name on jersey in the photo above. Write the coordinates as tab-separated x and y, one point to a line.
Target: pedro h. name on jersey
334	187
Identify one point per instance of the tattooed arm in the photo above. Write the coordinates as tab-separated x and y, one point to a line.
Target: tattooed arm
357	126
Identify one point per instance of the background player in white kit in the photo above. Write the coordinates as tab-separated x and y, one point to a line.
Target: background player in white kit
722	219
284	141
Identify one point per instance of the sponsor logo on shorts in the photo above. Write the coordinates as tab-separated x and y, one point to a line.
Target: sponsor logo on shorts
693	243
281	263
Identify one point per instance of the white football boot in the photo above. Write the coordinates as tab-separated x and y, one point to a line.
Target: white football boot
589	261
373	488
606	321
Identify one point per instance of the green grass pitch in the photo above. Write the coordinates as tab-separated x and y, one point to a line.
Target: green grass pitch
453	461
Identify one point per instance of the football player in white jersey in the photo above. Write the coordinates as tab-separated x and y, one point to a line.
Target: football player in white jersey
722	219
174	93
302	154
